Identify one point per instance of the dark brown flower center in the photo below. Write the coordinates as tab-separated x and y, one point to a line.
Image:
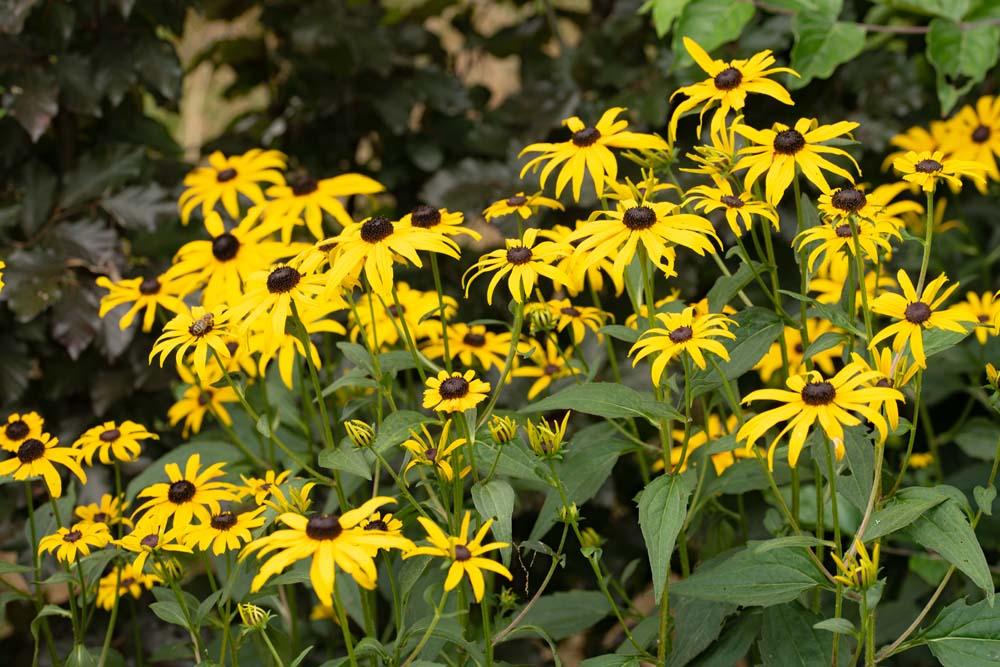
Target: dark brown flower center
851	200
798	348
126	582
728	78
395	311
639	217
304	185
454	388
462	552
425	216
324	527
376	229
72	536
377	524
983	319
550	369
283	279
818	393
570	311
431	454
474	339
30	450
928	166
101	517
586	137
843	231
110	435
731	201
917	312
202	326
789	142
981	134
181	491
150	541
225	246
518	254
884	383
223	521
232	346
149	286
681	334
205	397
226	175
517	201
17	430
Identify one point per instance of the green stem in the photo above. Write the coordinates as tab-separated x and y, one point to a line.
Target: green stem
928	238
507	365
344	629
418	362
438	610
36	562
109	633
442	310
913	434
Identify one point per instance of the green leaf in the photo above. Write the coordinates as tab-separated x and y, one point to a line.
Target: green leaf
605	399
495	500
965	636
396	428
697	624
903	509
347	458
664	13
949	9
39	190
81	656
859	451
662	508
979	438
169	611
840	626
621	332
825	341
750	579
515	460
47	610
733	643
984	498
96	172
757	329
36	102
961	55
727	287
711	23
788	638
140	206
946	529
821	44
790	541
565	614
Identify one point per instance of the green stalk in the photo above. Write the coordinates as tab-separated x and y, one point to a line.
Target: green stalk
36	562
928	237
508	363
436	272
430	629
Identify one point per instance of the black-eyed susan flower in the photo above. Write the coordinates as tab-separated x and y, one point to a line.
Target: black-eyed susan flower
779	151
773	361
813	399
261	488
720	155
439	454
455	391
684	332
831	277
109	511
502	428
921	460
193	493
917	139
111	441
224	179
522	262
151	537
737	207
18	427
588	150
286	347
360	432
974	135
657	226
473	345
984	310
303	199
145	295
295	500
465	555
714	429
123	580
439	221
857	570
522	204
225	531
200	331
546	365
927	168
577	318
80	539
382	320
384	522
894	372
728	84
580	277
331	542
878	206
199	398
915	313
547	439
275	292
830	241
374	245
36	457
222	265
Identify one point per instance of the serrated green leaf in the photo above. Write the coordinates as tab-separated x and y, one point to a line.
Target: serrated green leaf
396	428
965	636
662	509
605	399
495	500
903	509
756	329
961	56
821	44
788	638
945	529
565	614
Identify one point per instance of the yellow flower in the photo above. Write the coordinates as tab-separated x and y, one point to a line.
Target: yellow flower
916	313
253	616
720	155
474	344
297	499
892	372
382	322
920	460
113	442
361	433
545	438
773	362
331	541
859	572
287	346
657	226
547	366
145	294
197	400
226	178
778	151
522	204
199	330
385	523
580	277
577	319
634	320
714	429
35	457
151	536
304	199
108	511
2	266
832	275
261	488
225	531
439	221
738	207
222	265
275	292
917	139
193	493
466	555
123	580
984	310
454	392
926	169
833	241
974	135
439	454
875	207
993	376
373	245
813	398
503	429
69	544
728	84
523	261
683	332
19	427
588	150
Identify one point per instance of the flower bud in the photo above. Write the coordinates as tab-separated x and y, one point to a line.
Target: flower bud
361	433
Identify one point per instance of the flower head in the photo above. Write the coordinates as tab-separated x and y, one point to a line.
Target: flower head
522	262
360	432
472	345
226	178
502	428
108	511
794	351
19	427
145	295
442	455
683	332
69	544
455	391
522	204
439	221
201	398
927	168
112	441
262	488
738	207
858	570
546	438
193	493
123	580
303	199
984	310
548	364
276	293
200	331
224	531
36	457
974	136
